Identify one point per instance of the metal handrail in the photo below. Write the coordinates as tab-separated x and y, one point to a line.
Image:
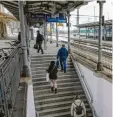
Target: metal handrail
10	71
86	87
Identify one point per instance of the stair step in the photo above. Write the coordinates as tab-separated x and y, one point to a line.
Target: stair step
45	63
62	114
43	67
64	74
45	86
59	72
62	89
58	99
54	110
60	76
57	110
44	56
44	70
69	77
59	94
58	82
56	105
46	60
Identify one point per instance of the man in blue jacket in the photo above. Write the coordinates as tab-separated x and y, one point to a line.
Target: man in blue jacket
62	56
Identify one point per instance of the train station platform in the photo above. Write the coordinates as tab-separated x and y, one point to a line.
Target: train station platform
24	90
68	84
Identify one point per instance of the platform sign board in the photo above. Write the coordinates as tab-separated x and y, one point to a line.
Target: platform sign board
56	20
61	18
39	15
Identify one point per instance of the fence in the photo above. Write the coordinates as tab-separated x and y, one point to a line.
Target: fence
10	71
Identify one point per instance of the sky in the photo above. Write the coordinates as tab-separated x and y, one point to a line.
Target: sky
92	9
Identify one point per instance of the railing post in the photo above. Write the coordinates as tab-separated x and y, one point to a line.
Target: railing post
26	70
99	64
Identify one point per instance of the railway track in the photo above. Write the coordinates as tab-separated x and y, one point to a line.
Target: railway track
88	54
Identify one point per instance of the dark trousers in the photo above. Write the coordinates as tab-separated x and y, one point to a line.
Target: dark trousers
39	47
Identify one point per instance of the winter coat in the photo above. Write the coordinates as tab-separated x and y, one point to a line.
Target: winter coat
39	38
52	70
62	54
73	106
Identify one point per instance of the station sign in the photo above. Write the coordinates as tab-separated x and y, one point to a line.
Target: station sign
60	18
38	15
56	20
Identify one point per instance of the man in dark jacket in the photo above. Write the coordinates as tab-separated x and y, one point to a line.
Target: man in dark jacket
62	56
39	41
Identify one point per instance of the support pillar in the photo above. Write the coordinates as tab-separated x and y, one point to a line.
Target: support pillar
26	71
32	34
94	33
104	33
50	32
78	30
45	31
94	26
86	32
99	64
27	36
56	35
68	14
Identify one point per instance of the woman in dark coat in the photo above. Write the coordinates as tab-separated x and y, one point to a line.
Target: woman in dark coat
52	70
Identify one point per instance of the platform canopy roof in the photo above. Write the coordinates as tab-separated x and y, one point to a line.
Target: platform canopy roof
92	24
6	17
45	7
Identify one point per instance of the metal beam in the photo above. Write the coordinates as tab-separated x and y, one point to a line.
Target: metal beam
10	4
13	10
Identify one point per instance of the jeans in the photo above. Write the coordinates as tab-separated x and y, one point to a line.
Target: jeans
63	65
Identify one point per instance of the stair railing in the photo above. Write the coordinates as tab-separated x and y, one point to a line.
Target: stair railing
84	85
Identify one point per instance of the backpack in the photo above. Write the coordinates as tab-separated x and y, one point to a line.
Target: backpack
78	109
40	38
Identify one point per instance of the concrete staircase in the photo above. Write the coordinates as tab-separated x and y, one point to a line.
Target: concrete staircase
48	104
